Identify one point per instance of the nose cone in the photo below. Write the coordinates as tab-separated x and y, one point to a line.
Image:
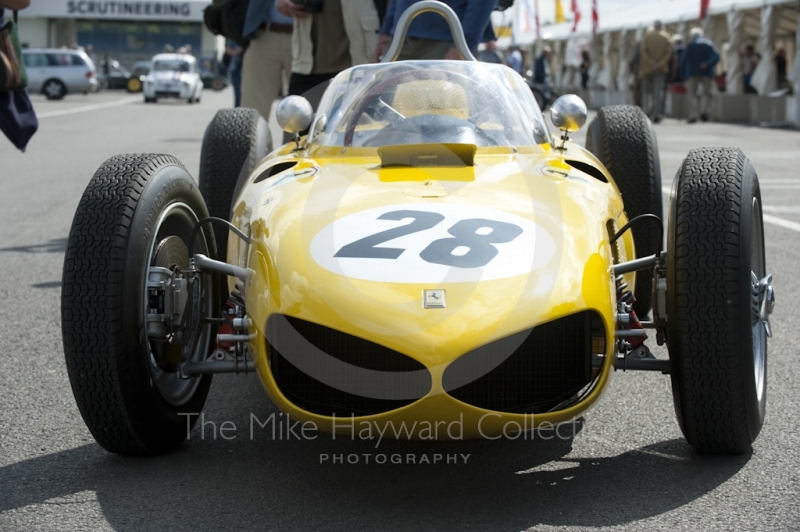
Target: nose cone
433	278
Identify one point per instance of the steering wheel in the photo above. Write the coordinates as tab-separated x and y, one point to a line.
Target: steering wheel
404	77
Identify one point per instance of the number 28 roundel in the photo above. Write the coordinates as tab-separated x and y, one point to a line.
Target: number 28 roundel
422	243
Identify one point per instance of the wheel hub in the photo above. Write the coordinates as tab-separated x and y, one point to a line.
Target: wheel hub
170	296
762	301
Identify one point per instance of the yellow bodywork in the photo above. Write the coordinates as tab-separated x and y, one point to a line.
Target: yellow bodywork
284	212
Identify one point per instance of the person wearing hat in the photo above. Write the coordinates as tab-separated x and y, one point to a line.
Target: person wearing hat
697	67
655	54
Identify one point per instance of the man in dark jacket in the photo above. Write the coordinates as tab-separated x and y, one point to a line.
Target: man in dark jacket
697	67
429	36
541	70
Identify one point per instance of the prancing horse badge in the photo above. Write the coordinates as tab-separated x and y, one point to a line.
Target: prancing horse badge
433	299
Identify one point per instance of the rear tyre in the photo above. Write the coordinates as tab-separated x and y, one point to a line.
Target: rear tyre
235	141
717	343
624	140
53	89
138	211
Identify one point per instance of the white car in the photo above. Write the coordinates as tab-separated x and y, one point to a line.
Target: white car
55	72
173	76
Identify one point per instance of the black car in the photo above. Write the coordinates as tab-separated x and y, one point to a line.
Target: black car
112	75
212	73
140	70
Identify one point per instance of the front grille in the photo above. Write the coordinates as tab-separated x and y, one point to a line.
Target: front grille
328	372
532	371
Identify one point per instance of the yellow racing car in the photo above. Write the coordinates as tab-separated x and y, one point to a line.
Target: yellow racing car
427	256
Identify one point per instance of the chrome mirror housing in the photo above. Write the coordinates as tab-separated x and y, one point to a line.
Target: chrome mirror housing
317	127
294	114
568	114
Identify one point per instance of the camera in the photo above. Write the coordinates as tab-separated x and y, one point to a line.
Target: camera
310	6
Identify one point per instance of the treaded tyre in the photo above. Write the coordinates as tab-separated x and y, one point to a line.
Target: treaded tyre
717	343
624	140
138	211
234	143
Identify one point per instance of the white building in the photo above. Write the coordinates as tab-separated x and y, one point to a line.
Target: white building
128	30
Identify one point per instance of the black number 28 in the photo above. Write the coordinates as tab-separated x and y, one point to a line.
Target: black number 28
470	247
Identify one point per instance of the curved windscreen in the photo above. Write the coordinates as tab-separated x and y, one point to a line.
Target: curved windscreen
430	102
171	65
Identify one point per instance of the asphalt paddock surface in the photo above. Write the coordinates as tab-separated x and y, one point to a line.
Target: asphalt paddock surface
624	465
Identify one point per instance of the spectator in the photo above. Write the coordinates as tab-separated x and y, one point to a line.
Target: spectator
675	75
697	68
90	52
541	70
429	36
780	67
749	63
655	54
586	64
514	60
343	34
106	65
490	54
268	62
17	118
234	52
634	67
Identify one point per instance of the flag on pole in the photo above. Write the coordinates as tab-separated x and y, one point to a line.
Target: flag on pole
527	20
704	8
596	17
576	12
559	13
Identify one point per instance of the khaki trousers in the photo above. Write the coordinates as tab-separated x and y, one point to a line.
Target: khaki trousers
266	69
653	86
704	82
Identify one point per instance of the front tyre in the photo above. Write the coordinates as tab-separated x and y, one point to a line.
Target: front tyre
137	212
717	328
624	140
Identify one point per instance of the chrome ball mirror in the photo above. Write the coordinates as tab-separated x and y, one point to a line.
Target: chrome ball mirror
294	114
568	114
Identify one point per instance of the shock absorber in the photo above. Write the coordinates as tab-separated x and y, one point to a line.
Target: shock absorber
630	333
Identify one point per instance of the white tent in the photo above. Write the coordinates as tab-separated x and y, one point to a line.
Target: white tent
768	25
629	15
